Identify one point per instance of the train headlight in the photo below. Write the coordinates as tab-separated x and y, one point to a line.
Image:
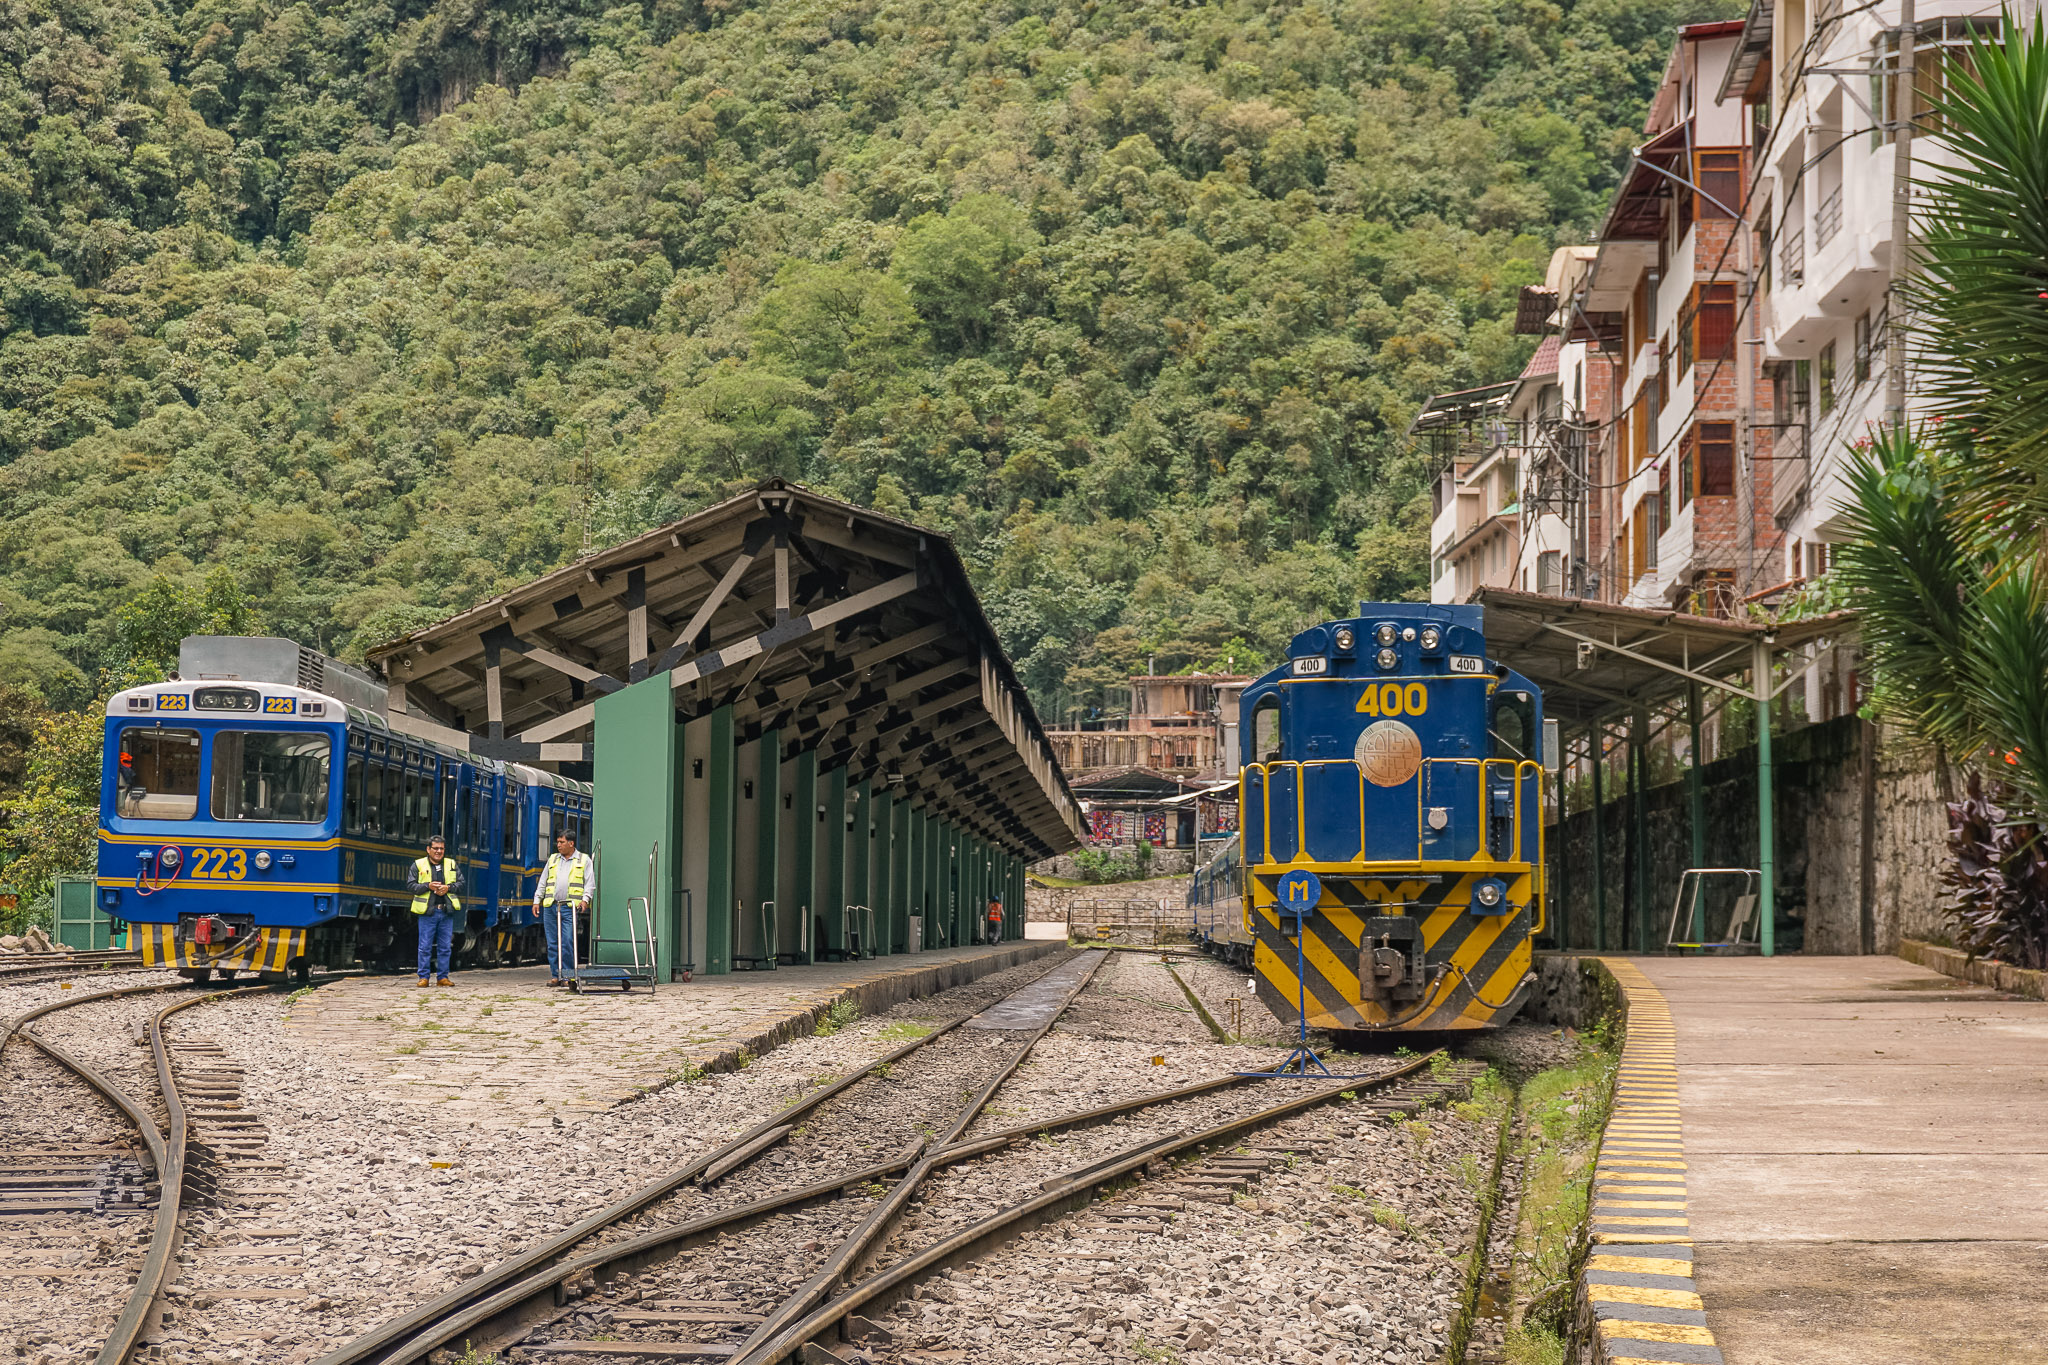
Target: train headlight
1345	639
1489	894
1386	635
1387	658
263	860
1431	637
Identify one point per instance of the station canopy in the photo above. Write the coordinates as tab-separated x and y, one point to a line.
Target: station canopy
839	629
1596	661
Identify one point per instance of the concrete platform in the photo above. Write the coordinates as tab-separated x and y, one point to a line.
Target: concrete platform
468	1047
1860	1149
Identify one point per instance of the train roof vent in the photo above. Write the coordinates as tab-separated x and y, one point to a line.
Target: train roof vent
283	663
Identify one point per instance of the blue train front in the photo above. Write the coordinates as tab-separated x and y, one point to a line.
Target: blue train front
248	823
1394	759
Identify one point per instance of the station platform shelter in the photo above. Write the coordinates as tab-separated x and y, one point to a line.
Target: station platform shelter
1821	1161
806	741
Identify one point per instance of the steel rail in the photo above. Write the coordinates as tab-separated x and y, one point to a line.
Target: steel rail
392	1342
848	1255
166	1148
501	1312
972	1240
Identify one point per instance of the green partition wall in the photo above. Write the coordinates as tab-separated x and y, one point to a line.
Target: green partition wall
637	774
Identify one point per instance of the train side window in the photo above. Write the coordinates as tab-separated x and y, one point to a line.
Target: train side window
544	843
1266	731
1514	725
445	814
352	794
157	774
373	799
409	814
508	837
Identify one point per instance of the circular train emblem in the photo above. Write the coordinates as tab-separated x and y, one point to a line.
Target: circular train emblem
1388	753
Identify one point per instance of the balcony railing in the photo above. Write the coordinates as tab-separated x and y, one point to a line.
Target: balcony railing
1792	257
1827	219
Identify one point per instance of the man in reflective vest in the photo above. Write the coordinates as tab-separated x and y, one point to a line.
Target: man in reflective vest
434	884
995	920
567	885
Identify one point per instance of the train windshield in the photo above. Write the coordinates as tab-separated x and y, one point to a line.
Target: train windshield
1514	725
270	775
157	775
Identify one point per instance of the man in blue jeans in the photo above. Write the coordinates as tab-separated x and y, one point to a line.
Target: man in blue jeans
567	888
435	885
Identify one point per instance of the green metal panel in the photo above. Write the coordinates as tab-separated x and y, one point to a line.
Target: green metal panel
914	855
831	875
880	828
79	924
803	852
637	748
859	850
719	767
899	876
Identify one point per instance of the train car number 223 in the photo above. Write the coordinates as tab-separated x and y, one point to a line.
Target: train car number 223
219	864
1392	699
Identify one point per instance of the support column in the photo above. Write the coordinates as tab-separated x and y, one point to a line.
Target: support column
859	803
918	821
880	823
803	862
717	910
1599	839
1561	905
899	876
1696	799
934	890
1766	834
1639	784
636	751
829	895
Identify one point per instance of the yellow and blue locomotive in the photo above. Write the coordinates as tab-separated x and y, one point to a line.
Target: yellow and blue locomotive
260	814
1392	758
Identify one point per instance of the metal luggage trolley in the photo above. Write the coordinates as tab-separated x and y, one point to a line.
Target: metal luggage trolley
617	976
1742	924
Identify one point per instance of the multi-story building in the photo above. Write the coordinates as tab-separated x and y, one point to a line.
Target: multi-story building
1819	80
1177	724
1634	437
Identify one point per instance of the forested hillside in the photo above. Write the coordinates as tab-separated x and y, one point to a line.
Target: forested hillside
1133	298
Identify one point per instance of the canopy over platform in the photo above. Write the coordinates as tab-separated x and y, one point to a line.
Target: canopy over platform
837	630
1598	663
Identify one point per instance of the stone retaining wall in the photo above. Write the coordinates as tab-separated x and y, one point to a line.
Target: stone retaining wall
1982	971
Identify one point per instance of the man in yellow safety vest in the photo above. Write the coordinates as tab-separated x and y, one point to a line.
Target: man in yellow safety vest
568	884
434	884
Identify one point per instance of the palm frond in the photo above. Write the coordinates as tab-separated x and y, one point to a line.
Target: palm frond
1981	292
1909	575
2006	677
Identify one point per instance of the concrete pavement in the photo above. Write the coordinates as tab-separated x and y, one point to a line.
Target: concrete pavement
1865	1149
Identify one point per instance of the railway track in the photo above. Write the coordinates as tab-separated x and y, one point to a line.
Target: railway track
42	966
837	1203
91	1179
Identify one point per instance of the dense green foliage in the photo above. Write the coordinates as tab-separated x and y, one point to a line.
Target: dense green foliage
1134	298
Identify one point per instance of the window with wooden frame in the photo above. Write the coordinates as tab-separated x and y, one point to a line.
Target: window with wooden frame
1715	319
1825	388
1685	337
1685	469
1717	459
1719	176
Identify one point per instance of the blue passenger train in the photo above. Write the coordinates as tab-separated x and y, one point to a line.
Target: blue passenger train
1394	759
259	814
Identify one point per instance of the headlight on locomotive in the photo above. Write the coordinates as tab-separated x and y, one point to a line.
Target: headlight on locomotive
1431	637
1488	895
1387	658
1345	639
1386	634
263	860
